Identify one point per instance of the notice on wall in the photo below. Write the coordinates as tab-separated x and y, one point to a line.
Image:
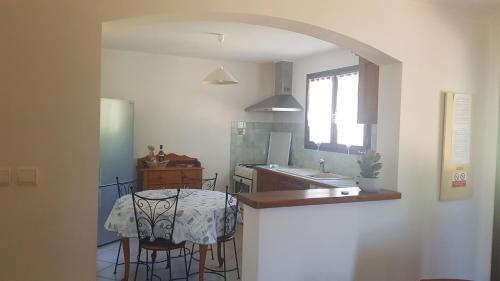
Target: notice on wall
455	177
461	129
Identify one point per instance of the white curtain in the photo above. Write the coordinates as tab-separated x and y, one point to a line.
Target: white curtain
319	115
349	132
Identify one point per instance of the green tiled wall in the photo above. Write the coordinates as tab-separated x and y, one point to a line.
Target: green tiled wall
252	148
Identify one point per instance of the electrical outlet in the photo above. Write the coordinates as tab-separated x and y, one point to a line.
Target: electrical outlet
27	176
4	176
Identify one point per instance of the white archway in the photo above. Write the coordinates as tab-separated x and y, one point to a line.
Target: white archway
391	70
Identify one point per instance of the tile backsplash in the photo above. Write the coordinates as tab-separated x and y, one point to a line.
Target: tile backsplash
252	148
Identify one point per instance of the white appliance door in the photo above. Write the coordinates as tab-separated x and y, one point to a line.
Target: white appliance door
279	148
116	158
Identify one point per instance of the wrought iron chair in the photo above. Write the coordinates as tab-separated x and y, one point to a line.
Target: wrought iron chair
123	188
230	220
205	184
155	221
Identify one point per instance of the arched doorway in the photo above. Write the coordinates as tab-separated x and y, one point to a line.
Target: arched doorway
388	139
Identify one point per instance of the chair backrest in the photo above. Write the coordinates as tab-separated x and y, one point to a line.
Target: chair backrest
124	188
155	217
230	213
206	184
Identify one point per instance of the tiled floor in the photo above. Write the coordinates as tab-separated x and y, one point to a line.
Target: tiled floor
106	256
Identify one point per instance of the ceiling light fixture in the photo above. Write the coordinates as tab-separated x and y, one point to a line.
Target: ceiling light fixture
220	76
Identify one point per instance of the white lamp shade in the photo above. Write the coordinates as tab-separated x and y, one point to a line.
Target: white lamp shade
220	77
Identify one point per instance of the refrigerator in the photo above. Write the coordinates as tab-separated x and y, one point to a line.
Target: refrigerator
116	158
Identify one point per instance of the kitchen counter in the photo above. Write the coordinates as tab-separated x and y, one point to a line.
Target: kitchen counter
272	179
279	224
289	198
284	189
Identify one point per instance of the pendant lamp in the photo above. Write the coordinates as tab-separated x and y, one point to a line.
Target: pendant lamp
220	76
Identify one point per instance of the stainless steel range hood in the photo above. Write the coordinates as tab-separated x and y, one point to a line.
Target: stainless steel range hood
282	99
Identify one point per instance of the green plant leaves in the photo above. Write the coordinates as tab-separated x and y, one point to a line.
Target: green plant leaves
369	164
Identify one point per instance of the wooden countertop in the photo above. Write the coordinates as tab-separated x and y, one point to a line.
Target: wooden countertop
291	198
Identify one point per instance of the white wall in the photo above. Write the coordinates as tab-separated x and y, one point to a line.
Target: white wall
173	107
389	110
330	242
442	253
494	70
50	85
49	99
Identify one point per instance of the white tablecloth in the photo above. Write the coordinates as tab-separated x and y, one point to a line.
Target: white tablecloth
200	215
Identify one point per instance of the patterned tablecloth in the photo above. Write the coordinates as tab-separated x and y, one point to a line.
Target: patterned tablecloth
200	215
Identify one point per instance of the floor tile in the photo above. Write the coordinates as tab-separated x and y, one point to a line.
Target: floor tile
106	256
102	265
102	279
109	256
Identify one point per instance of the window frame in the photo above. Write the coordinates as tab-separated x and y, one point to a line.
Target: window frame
333	146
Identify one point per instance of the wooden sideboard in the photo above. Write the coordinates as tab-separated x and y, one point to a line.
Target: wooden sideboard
174	175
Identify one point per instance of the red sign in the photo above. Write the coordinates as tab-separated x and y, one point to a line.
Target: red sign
459	179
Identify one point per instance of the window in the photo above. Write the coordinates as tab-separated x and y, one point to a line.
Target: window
332	112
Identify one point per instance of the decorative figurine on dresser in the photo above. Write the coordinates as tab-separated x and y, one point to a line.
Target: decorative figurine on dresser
158	171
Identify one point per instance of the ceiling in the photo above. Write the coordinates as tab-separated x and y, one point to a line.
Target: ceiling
243	42
478	2
475	5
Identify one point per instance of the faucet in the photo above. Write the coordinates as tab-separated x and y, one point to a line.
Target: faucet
322	165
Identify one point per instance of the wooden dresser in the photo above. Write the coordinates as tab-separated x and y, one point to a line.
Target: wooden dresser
178	166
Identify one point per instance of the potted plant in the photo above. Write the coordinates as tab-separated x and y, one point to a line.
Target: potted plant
370	167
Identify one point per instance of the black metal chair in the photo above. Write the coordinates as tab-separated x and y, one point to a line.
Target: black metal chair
205	184
123	188
155	221
230	220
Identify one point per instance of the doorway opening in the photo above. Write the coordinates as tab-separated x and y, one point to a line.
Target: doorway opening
154	69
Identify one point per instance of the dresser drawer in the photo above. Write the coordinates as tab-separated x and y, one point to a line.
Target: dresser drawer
163	177
170	177
162	186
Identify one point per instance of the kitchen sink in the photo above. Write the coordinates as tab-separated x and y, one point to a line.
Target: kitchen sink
327	176
311	173
298	171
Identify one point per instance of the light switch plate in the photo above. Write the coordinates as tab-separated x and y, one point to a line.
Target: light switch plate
4	176
27	176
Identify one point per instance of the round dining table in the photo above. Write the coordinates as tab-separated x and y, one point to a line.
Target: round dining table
199	219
